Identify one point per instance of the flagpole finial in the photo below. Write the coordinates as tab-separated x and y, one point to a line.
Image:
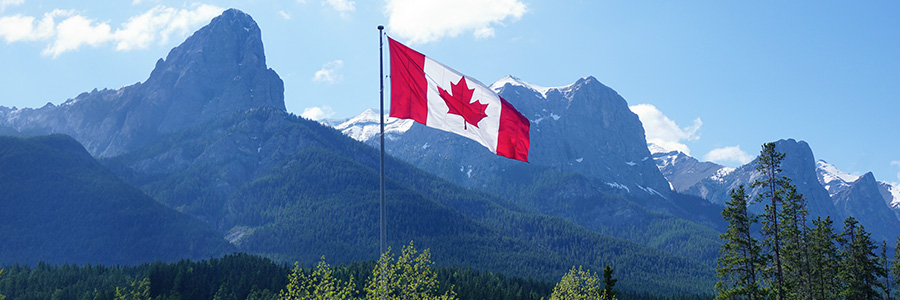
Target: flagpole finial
380	27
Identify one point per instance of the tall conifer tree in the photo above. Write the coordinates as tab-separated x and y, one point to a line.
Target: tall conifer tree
771	193
860	270
741	260
824	259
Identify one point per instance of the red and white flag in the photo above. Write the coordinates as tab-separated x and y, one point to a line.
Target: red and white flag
439	97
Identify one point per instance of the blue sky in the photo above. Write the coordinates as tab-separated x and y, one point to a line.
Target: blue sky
715	78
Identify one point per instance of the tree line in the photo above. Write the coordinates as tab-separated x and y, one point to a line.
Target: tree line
779	255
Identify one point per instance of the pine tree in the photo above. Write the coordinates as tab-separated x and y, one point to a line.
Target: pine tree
609	283
772	193
795	240
885	265
824	259
741	260
860	270
895	267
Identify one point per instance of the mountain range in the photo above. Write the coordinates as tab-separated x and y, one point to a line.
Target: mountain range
828	190
202	159
207	136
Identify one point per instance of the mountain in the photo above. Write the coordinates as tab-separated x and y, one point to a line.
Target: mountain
218	70
828	190
262	175
294	190
859	196
59	205
589	164
683	171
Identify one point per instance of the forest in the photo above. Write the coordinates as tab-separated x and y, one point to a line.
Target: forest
244	276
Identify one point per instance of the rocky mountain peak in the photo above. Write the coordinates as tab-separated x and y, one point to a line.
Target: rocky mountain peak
218	71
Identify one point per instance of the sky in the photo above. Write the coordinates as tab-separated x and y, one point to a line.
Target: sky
714	79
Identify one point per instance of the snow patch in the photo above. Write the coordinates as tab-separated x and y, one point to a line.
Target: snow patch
367	125
618	186
831	173
650	191
721	173
496	86
554	116
631	163
425	146
580	159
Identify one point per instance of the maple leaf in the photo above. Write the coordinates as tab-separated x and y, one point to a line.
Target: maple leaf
460	103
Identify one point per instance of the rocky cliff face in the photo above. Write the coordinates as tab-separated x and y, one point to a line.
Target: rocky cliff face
219	70
683	171
799	165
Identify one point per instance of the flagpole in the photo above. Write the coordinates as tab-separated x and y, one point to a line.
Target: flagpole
381	114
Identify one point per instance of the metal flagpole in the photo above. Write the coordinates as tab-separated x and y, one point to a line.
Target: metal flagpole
381	114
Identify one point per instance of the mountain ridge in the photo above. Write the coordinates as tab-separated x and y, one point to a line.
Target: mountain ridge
179	92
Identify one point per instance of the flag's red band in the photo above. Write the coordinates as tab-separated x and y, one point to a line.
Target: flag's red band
408	85
513	140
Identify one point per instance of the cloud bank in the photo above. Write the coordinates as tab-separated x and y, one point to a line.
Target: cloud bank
729	154
424	21
317	113
74	31
663	132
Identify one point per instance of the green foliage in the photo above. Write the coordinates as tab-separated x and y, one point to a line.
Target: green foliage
580	284
609	282
859	268
408	277
824	259
320	285
895	267
772	192
139	290
741	262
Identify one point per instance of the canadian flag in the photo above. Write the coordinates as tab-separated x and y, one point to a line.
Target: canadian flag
439	97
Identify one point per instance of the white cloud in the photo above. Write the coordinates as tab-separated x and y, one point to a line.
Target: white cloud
161	22
329	72
23	28
317	113
284	15
344	7
729	154
663	132
75	31
424	21
5	3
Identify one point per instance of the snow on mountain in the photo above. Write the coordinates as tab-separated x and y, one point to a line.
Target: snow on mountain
833	179
540	89
367	125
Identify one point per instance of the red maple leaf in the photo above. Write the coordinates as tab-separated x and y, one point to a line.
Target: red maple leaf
460	103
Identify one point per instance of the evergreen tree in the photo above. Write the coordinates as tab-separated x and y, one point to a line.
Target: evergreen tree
609	282
741	259
860	270
580	284
320	285
795	251
824	259
772	193
409	277
895	267
885	266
